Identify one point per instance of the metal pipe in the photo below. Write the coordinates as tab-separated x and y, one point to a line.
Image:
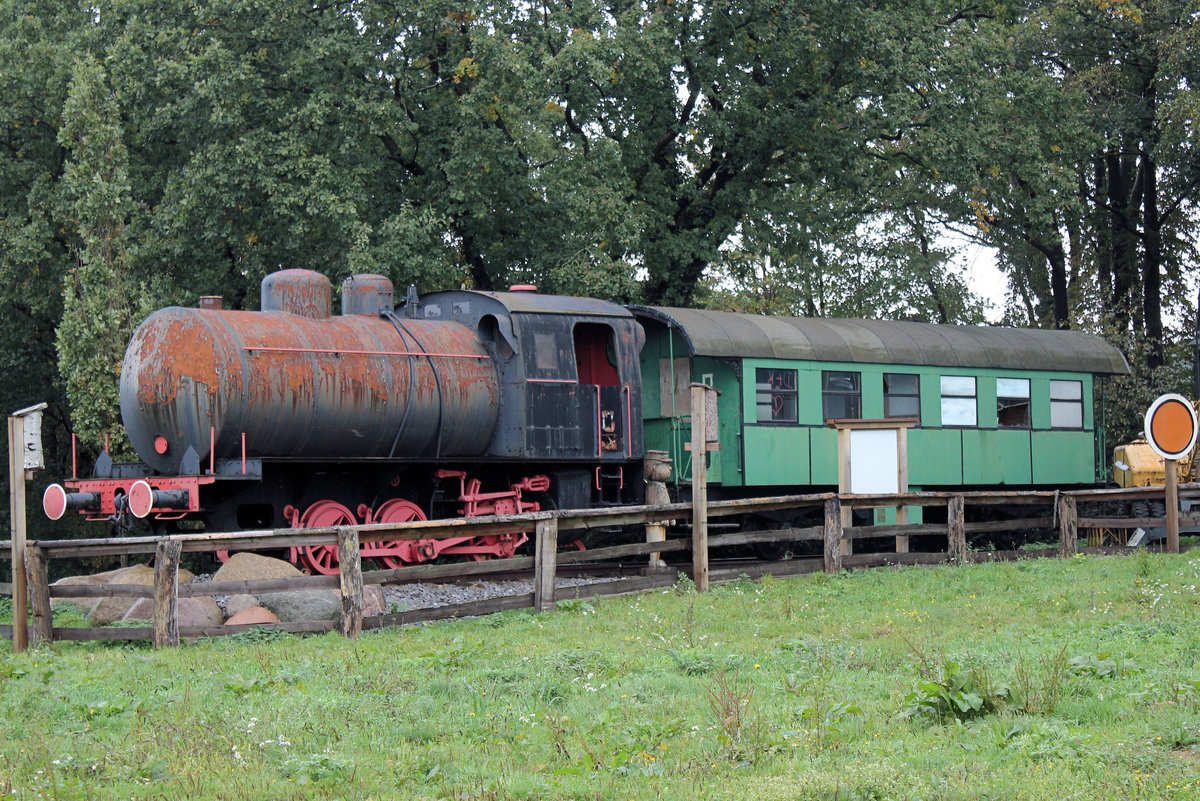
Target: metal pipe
340	351
437	378
412	379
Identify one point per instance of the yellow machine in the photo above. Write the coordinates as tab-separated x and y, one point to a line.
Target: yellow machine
1135	464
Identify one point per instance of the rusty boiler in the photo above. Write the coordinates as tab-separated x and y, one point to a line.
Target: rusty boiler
299	382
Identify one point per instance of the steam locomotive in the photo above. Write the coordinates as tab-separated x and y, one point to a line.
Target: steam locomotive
474	403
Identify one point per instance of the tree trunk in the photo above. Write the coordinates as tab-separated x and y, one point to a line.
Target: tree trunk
1123	238
1151	230
1058	285
1152	262
1103	232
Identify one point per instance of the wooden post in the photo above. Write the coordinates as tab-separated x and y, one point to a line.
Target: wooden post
699	489
39	585
545	564
847	514
1068	526
956	550
902	461
1171	497
350	570
16	505
166	593
833	535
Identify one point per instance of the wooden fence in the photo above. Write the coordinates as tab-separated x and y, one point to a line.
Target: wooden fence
1060	514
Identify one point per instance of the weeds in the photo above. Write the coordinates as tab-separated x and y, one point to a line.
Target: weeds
1039	693
959	693
1103	665
738	721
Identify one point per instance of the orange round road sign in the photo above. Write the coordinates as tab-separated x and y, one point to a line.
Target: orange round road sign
1171	426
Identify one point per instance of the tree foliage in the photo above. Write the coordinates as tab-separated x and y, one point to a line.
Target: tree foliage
784	156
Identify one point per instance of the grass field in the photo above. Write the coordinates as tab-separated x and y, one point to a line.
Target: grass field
1047	679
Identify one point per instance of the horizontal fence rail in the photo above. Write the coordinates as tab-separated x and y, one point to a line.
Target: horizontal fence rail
833	533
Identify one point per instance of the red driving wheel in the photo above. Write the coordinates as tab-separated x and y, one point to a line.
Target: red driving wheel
397	510
322	514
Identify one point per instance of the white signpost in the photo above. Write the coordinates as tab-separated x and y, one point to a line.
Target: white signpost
24	457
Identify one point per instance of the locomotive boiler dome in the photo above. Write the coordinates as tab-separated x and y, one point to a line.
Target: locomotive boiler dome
299	383
300	292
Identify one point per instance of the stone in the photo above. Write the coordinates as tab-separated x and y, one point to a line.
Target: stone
87	604
239	602
244	566
251	616
303	605
373	600
201	610
110	610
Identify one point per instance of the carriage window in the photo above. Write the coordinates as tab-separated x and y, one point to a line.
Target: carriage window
901	395
1066	404
776	395
958	401
1012	402
841	397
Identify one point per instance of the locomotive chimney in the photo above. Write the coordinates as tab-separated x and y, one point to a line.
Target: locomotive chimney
212	302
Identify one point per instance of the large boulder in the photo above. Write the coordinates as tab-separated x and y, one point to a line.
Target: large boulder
251	566
88	604
289	607
254	615
200	610
110	610
302	605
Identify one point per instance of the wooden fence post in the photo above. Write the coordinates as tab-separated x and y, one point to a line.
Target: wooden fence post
699	488
1068	526
16	503
39	586
833	535
956	550
350	570
545	564
166	593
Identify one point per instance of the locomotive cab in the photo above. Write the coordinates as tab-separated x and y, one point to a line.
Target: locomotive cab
570	383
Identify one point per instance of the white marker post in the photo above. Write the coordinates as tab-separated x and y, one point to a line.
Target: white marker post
24	457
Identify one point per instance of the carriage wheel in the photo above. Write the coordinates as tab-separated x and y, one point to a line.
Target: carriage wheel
322	514
397	510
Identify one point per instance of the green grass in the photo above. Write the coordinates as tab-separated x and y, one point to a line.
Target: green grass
861	686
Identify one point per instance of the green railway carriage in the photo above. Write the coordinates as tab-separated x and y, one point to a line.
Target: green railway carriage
988	406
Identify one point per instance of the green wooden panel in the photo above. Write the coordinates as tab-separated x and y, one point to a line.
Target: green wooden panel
823	446
871	384
931	399
725	465
887	517
995	456
658	436
934	456
1063	457
985	395
777	455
